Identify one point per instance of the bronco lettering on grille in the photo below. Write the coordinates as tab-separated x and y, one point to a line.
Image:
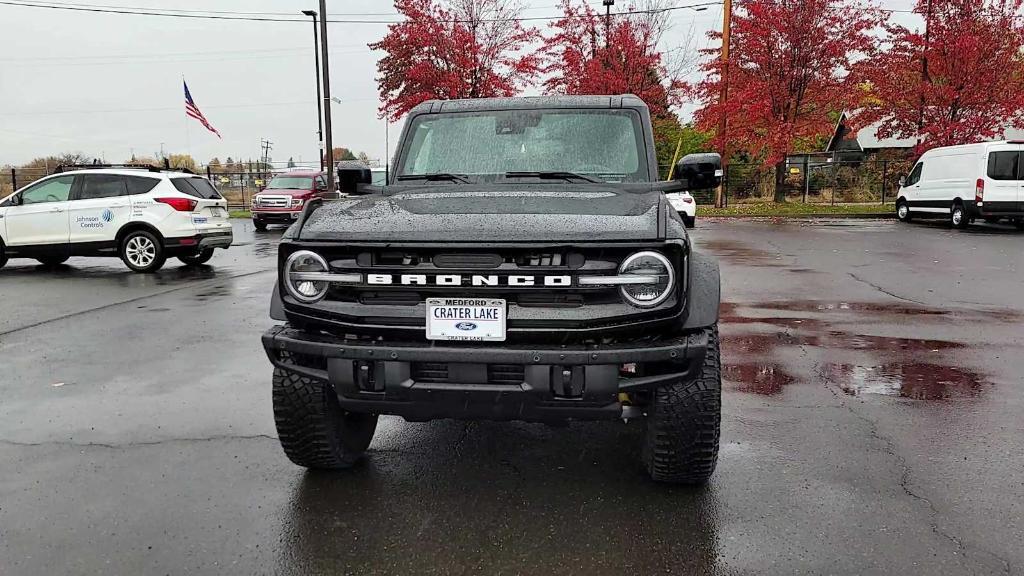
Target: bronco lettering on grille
470	280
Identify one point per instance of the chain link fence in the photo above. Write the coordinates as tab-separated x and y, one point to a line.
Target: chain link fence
812	181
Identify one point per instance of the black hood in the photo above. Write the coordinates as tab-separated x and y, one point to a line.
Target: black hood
490	213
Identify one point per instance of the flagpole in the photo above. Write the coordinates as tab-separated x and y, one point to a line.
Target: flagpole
188	139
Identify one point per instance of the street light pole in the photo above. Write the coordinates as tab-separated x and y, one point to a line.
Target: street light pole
316	76
327	97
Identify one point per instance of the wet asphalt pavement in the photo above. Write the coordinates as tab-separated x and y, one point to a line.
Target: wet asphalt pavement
872	424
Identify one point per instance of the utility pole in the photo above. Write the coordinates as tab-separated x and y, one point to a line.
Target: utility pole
607	20
327	97
723	121
265	146
925	77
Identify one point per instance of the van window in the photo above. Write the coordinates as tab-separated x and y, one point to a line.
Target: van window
915	174
1003	165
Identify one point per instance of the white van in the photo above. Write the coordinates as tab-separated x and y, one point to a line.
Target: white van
963	183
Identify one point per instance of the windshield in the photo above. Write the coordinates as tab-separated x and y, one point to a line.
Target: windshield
291	182
606	145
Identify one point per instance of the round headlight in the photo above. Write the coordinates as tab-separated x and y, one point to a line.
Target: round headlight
305	290
658	275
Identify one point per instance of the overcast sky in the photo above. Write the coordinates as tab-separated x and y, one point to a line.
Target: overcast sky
108	85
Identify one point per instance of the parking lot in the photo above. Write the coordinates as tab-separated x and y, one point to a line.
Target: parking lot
871	424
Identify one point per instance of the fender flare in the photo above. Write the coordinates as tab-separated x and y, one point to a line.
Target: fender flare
276	305
704	294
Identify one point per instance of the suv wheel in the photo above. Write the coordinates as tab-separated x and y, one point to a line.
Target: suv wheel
142	251
903	211
260	226
201	257
689	221
958	216
313	429
3	255
684	422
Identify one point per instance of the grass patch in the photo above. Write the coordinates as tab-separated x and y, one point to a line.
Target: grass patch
789	209
239	214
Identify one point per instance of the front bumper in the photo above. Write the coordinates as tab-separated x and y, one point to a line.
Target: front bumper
276	215
535	383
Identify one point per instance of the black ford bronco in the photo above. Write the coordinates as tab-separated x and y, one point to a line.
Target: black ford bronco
521	263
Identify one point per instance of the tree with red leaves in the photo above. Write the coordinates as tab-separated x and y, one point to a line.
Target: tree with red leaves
961	82
590	55
787	71
459	49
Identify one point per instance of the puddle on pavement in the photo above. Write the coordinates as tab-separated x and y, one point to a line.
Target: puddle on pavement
897	366
916	380
754	378
740	252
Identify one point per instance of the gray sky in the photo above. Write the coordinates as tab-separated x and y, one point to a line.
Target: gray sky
108	84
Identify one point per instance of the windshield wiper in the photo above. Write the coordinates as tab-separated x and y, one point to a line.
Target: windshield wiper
435	177
553	175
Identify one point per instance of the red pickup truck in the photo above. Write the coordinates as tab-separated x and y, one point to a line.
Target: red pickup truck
282	200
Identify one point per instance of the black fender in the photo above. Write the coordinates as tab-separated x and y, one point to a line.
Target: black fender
705	293
276	305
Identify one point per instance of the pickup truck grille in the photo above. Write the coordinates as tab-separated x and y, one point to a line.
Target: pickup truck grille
268	201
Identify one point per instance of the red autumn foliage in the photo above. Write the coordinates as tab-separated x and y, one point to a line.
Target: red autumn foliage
586	56
460	49
788	71
973	87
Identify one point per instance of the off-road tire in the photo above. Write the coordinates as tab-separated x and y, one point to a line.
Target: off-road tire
313	429
683	424
54	261
197	259
158	259
259	226
903	211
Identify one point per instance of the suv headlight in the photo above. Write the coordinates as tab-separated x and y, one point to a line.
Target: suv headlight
655	279
296	202
300	269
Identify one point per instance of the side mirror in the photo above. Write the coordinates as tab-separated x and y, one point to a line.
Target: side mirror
700	171
353	176
903	181
14	200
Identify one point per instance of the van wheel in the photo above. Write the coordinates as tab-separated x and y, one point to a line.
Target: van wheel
903	211
958	216
142	252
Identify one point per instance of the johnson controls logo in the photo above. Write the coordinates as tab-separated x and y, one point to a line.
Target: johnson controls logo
107	215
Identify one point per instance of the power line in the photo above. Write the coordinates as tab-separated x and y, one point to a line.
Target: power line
228	15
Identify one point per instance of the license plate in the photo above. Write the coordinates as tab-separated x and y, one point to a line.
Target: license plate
473	319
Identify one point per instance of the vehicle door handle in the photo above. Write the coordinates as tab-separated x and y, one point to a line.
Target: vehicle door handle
56	209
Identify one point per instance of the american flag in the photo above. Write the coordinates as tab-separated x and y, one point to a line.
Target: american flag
192	110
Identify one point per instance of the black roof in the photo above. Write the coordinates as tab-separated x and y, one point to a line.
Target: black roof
529	103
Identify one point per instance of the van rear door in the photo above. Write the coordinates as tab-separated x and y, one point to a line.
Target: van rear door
1002	179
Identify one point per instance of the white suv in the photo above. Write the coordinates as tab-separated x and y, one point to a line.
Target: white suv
142	215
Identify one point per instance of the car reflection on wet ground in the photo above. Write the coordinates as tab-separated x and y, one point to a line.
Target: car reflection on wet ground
871	424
